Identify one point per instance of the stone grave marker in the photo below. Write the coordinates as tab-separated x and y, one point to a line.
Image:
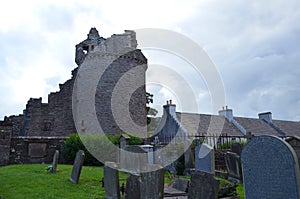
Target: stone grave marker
203	185
133	187
111	181
237	148
137	161
233	165
55	161
270	169
149	185
77	167
295	144
180	184
205	158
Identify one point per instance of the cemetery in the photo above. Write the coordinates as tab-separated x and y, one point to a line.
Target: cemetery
52	150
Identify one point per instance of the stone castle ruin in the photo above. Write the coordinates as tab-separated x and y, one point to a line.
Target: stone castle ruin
32	136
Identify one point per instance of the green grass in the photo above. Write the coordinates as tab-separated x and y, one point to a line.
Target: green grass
240	191
33	181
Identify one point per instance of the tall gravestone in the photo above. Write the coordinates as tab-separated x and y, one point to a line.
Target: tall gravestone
295	144
237	148
203	185
233	165
205	158
270	169
111	181
181	184
133	159
148	185
55	161
77	167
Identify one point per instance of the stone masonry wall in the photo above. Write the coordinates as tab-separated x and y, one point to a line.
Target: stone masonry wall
35	150
55	118
5	139
34	135
119	63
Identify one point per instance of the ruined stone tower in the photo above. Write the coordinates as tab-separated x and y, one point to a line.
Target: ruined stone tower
119	69
118	100
121	57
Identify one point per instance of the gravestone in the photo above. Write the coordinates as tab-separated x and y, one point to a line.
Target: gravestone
188	158
233	165
111	181
133	187
295	144
149	185
203	185
77	166
55	161
270	169
133	159
237	148
181	184
205	158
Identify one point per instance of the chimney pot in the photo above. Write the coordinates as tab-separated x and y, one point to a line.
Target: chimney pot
170	101
227	113
267	116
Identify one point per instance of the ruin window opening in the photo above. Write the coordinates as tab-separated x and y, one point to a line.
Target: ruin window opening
47	126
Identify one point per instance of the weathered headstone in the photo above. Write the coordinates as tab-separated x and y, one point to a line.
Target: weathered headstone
203	186
188	158
233	166
77	167
205	158
181	184
148	185
237	148
133	159
111	181
55	161
270	169
295	144
133	187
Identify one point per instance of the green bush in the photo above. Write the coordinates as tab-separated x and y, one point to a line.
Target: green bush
72	145
97	144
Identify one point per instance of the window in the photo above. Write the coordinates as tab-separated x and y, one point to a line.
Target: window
47	126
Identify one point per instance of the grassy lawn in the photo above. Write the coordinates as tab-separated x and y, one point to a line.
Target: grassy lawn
33	181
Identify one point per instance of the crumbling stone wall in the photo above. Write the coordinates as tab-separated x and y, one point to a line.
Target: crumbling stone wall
35	149
5	141
55	118
34	135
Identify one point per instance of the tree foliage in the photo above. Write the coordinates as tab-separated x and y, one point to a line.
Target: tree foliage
72	145
151	112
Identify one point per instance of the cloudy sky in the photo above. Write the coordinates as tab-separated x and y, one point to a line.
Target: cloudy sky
253	44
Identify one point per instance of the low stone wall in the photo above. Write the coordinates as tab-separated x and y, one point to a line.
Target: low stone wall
35	150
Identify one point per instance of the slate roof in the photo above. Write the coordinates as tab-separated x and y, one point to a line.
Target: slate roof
204	124
256	126
289	127
196	124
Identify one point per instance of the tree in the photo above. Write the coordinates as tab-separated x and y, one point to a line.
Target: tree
151	112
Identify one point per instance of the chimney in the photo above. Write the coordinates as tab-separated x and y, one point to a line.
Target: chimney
170	108
267	116
227	113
